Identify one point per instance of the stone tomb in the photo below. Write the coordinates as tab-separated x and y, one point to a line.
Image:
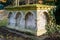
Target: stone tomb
29	18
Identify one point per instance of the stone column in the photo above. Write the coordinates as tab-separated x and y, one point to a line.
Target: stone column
27	1
18	2
15	2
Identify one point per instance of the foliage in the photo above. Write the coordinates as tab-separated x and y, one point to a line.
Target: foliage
3	22
1	6
52	27
8	2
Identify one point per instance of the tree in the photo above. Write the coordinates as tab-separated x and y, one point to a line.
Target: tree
1	6
8	2
57	12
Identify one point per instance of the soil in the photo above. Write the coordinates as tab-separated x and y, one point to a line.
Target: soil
54	38
6	35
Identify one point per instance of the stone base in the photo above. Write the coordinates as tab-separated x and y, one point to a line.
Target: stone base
41	32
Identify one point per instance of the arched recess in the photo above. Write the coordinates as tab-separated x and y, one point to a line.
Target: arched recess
30	22
18	18
11	19
43	20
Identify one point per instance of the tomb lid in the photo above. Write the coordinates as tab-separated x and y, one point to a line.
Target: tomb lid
29	7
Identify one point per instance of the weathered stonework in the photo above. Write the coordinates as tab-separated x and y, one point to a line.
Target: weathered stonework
29	18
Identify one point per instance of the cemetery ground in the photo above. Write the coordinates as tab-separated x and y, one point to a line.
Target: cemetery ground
6	34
